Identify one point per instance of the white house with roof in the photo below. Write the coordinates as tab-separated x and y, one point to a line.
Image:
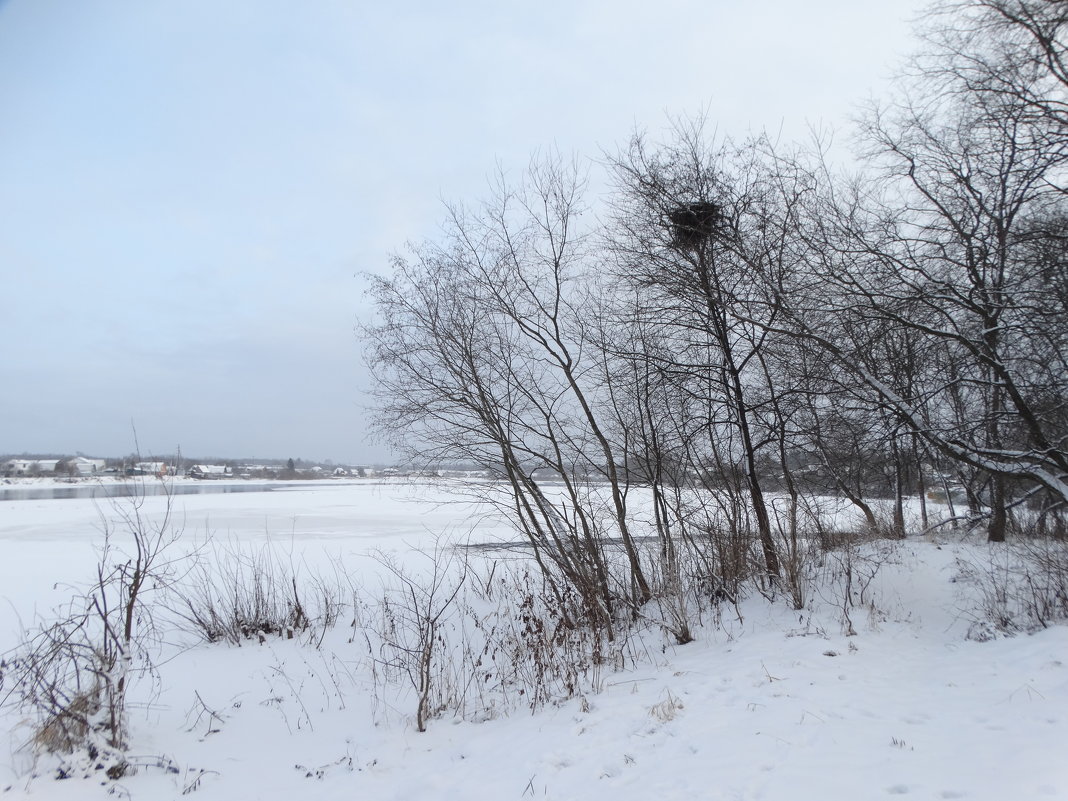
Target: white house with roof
87	467
79	465
209	471
19	467
155	469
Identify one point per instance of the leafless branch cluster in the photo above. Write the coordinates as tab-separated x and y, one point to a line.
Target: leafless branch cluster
237	592
748	327
74	670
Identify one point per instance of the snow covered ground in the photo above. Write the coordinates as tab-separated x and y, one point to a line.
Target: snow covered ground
770	704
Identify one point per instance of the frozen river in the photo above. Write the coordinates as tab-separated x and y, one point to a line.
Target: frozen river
124	489
48	545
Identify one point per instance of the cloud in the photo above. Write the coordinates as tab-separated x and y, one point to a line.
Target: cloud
190	189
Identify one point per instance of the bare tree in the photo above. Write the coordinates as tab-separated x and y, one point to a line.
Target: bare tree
1011	51
682	213
939	256
480	351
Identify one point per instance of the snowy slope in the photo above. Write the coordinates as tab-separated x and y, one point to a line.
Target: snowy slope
771	704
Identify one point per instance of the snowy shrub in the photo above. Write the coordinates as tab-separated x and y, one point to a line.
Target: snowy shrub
480	643
535	645
848	574
238	593
1019	587
668	709
74	671
408	631
839	563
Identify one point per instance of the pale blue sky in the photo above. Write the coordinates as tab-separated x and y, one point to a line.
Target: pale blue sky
189	190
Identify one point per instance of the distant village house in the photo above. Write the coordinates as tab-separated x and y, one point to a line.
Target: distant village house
209	471
159	469
79	465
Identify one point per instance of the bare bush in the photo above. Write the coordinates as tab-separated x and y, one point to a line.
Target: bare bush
412	612
479	642
1020	587
531	648
73	672
237	593
839	563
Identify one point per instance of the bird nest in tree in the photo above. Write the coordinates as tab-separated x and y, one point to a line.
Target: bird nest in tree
693	223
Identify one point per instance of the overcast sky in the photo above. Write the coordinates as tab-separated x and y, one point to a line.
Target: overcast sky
190	190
